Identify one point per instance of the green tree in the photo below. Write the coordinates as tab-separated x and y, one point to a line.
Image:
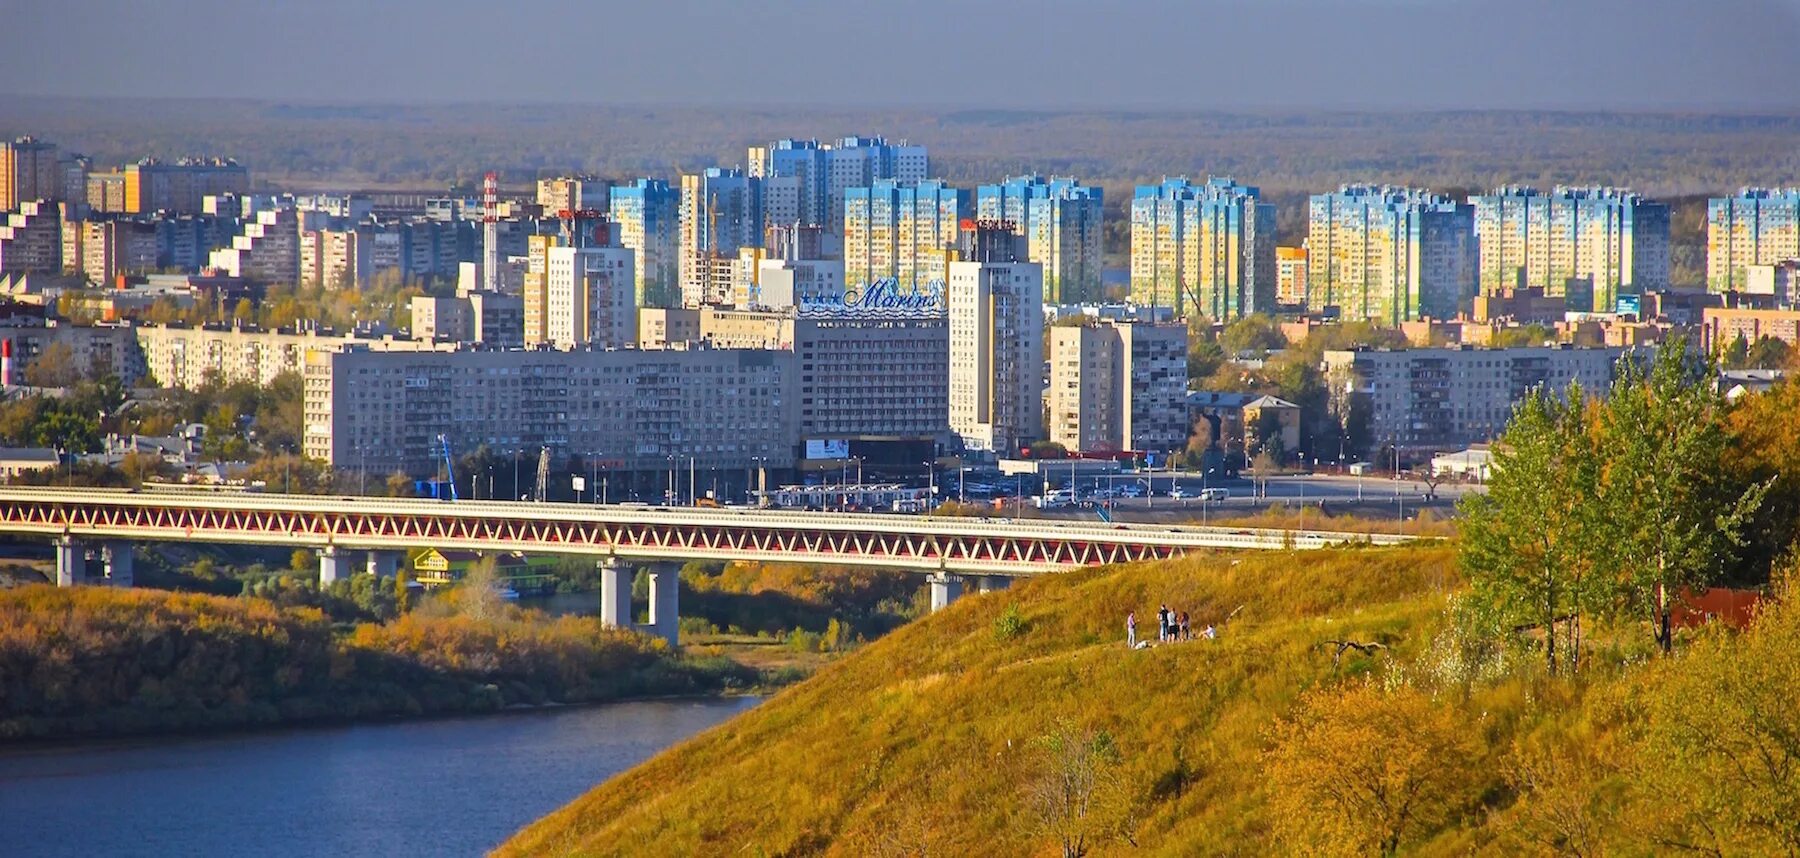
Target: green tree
1736	353
1767	353
1528	542
1675	516
1256	334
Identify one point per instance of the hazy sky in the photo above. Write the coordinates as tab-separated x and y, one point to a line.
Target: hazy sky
1053	53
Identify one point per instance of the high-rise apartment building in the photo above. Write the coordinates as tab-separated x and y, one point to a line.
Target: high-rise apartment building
1756	226
996	306
181	186
1118	385
1290	276
106	192
901	230
335	258
573	194
28	171
267	251
819	174
587	299
721	211
31	239
1606	241
100	251
647	213
1204	250
1061	222
1389	254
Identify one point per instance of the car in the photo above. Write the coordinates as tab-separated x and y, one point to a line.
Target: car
1214	494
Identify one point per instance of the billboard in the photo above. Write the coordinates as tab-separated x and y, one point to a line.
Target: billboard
827	448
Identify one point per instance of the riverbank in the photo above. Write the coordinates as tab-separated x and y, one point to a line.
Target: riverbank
450	786
100	662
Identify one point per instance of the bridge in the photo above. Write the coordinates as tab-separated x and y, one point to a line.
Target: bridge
989	551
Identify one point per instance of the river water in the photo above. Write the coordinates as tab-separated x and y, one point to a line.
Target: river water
456	786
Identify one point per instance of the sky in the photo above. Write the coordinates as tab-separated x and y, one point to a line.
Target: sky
1174	54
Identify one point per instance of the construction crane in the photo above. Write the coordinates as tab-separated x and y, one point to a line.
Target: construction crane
576	234
449	466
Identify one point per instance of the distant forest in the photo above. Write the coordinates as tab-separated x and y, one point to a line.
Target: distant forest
1680	157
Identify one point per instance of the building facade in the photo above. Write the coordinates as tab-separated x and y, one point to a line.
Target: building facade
1118	386
31	239
1389	254
1204	250
180	187
647	412
996	306
647	215
1606	241
873	373
805	180
101	251
1062	222
721	211
1756	226
901	230
267	251
1424	401
28	171
187	358
1290	276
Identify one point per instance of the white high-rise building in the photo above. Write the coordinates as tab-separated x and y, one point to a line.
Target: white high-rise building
580	296
721	211
996	302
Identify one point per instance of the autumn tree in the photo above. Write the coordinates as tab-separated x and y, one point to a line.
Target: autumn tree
1360	770
1717	771
1079	798
1528	542
1674	516
55	366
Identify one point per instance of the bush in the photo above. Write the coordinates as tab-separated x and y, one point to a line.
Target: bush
1010	624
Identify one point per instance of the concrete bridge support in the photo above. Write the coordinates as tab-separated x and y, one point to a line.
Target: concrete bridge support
332	565
665	597
71	562
118	563
384	564
945	588
615	593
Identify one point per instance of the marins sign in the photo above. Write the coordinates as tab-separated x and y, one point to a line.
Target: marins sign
883	294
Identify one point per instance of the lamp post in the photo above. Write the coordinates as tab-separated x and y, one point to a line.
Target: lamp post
931	481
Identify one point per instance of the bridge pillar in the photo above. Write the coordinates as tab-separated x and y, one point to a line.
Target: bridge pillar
71	562
118	563
331	565
615	593
665	593
991	583
944	590
384	564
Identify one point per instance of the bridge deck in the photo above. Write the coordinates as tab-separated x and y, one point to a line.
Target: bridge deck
991	546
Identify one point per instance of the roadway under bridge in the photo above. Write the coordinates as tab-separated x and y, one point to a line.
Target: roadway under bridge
945	547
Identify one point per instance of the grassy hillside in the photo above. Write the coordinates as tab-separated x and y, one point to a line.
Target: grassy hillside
929	735
1019	723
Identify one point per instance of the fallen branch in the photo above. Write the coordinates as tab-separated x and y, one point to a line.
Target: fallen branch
1364	648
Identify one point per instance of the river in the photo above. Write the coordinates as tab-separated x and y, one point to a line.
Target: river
454	786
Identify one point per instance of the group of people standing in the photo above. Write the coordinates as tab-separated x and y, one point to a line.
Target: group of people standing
1171	626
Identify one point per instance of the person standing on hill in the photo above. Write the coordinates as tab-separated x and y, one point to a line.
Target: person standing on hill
1186	630
1131	629
1162	624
